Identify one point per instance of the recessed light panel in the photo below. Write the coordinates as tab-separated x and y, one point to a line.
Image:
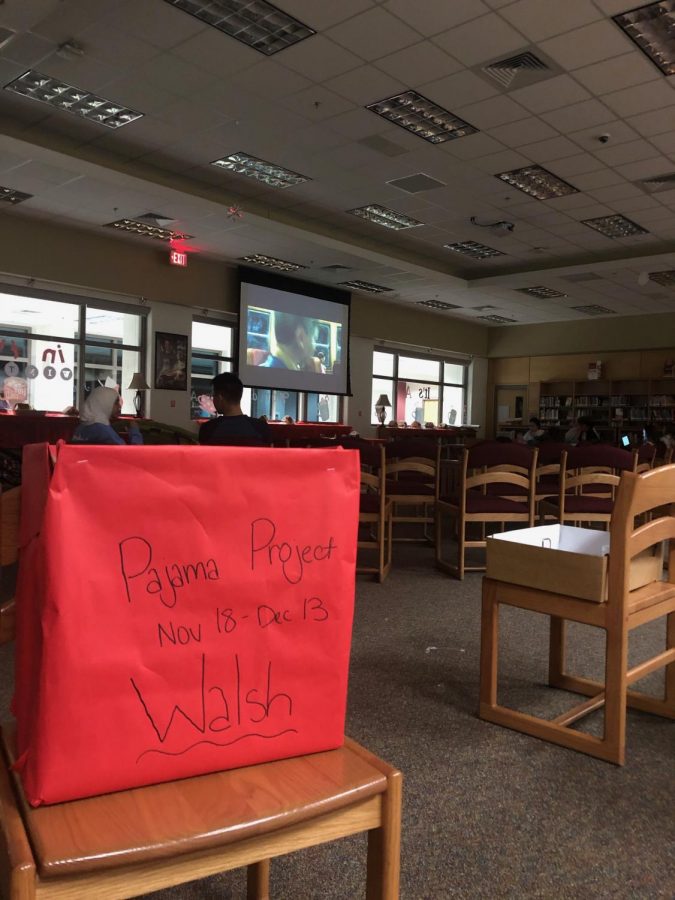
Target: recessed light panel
135	226
438	304
271	262
9	195
667	278
500	320
473	249
252	167
255	23
537	182
380	215
366	286
421	117
614	226
593	310
652	28
64	96
542	292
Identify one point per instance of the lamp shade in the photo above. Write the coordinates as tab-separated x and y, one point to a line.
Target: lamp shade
138	383
383	400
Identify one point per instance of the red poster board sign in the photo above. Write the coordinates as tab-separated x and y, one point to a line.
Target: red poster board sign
180	610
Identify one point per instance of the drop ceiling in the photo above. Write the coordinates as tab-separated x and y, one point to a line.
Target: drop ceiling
548	84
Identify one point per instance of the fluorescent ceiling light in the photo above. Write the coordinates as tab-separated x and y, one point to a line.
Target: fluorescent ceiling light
74	100
271	262
542	292
614	226
501	320
422	117
438	304
666	278
366	286
9	195
380	215
135	226
652	28
255	23
252	167
537	182
473	249
594	310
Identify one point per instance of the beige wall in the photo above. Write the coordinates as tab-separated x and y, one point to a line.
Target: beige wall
598	336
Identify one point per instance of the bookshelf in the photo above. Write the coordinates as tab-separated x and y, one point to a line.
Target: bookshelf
614	407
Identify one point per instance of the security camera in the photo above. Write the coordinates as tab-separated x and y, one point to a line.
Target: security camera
604	138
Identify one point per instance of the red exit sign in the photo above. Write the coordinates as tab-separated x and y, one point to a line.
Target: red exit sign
176	258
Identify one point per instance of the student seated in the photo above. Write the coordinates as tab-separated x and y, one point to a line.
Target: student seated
231	422
535	434
101	407
583	431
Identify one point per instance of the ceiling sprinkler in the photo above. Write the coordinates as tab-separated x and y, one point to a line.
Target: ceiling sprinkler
235	212
499	229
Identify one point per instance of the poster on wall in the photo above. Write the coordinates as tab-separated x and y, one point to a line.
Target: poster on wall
171	361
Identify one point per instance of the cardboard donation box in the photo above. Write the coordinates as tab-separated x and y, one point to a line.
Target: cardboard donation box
564	560
180	610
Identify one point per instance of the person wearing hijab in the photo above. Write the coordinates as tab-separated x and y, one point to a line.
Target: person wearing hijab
100	407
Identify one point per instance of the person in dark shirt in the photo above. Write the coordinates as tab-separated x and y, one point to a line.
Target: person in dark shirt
232	426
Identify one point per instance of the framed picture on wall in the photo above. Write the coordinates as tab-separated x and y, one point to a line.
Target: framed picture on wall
171	352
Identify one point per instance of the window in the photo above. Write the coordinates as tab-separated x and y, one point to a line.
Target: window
54	351
419	388
212	353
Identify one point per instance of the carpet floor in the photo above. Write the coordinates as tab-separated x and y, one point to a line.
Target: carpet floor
488	812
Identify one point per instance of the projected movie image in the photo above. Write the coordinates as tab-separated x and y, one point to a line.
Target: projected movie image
282	340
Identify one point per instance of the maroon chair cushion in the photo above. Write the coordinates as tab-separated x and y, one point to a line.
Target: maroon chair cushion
480	503
408	488
586	504
369	503
499	489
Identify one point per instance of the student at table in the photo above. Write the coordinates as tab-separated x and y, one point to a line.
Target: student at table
582	432
102	407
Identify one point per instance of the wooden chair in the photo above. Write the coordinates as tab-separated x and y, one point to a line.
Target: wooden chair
133	842
618	615
644	458
412	483
496	485
375	508
547	477
589	477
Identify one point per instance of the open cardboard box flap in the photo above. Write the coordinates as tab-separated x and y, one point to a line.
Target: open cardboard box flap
563	559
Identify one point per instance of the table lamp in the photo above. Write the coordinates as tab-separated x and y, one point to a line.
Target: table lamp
138	384
382	404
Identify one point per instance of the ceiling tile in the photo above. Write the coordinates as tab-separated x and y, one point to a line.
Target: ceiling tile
318	58
473	146
211	50
164	27
602	178
540	20
646	168
419	63
480	40
651	123
664	142
632	151
373	34
617	73
578	115
316	103
616	192
554	148
551	94
642	98
525	131
575	165
502	162
432	18
617	130
365	85
88	73
322	15
270	80
587	45
22	16
457	90
492	112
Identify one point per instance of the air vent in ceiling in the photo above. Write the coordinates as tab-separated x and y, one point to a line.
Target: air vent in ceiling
413	184
521	70
659	183
438	304
382	145
581	276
